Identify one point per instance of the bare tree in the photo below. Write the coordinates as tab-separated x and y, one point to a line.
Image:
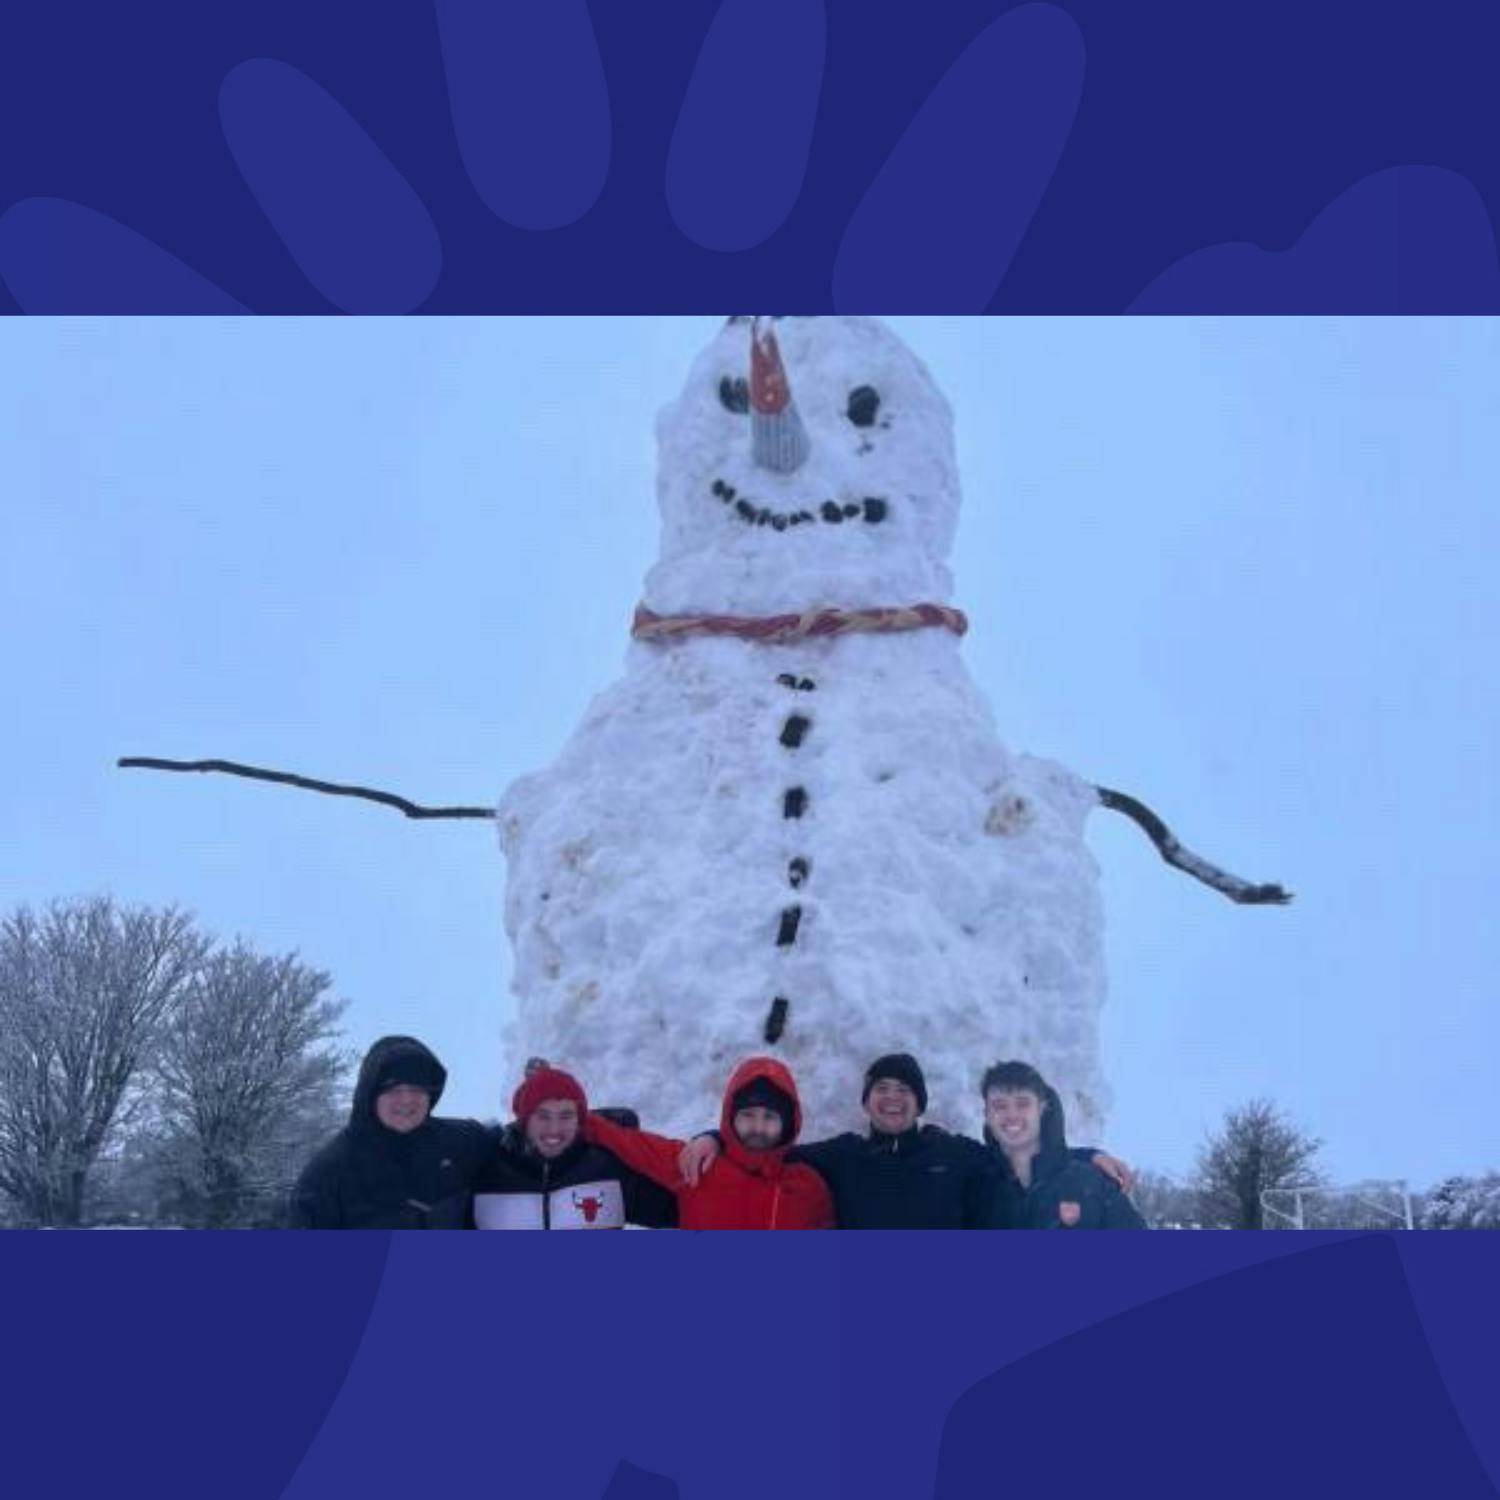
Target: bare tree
1163	1202
1257	1149
247	1077
84	987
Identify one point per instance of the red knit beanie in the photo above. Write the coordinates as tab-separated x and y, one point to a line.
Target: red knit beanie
547	1084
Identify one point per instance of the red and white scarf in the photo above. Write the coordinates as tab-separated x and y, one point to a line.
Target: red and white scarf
810	624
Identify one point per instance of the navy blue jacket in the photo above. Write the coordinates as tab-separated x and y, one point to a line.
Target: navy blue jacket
1065	1191
923	1178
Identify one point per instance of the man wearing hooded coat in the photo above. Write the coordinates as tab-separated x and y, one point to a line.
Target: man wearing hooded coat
1042	1184
370	1176
750	1186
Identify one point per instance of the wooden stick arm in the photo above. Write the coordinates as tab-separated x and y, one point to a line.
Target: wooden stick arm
1176	853
286	778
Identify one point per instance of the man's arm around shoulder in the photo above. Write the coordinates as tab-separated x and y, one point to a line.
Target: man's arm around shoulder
653	1156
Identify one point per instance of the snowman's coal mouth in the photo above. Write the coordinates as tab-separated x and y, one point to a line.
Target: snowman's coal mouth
872	509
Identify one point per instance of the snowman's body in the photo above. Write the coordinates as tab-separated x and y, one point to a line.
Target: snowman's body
828	822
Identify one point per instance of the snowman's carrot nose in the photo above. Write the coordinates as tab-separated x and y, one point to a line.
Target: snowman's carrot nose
778	439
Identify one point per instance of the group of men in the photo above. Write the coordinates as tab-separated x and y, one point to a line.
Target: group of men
561	1165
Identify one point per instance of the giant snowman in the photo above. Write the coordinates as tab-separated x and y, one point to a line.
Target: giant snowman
791	827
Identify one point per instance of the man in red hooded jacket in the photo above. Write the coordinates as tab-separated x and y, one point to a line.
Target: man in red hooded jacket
751	1185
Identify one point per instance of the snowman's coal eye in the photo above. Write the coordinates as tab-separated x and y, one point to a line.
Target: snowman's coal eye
734	394
864	403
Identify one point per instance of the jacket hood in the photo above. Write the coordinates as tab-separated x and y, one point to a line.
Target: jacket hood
404	1053
779	1076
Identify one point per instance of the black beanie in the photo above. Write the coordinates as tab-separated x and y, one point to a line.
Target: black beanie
761	1093
904	1068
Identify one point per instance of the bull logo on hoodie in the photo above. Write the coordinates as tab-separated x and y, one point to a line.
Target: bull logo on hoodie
1069	1214
589	1207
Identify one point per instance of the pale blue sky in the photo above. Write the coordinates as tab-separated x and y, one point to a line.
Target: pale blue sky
1244	569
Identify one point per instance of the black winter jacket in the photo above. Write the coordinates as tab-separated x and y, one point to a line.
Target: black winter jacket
369	1177
923	1178
586	1187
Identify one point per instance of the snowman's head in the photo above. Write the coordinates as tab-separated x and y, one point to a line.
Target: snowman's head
808	461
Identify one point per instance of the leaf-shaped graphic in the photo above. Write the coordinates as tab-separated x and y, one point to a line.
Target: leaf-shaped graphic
347	217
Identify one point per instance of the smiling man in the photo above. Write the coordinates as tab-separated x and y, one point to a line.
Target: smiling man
394	1165
1043	1184
898	1175
543	1174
